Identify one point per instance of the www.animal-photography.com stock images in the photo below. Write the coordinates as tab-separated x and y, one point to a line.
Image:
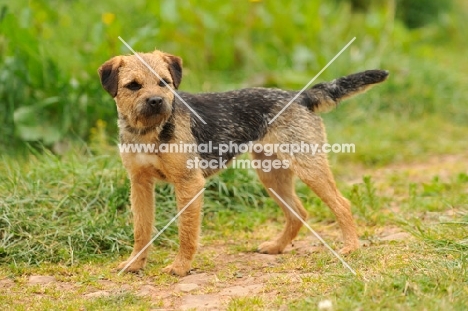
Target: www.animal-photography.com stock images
234	155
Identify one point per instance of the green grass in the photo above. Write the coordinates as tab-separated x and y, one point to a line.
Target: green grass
51	92
66	213
254	303
76	208
73	222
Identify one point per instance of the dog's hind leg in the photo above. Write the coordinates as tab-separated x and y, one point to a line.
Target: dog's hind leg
320	179
282	182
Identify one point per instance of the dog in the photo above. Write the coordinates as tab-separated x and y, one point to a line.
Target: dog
149	112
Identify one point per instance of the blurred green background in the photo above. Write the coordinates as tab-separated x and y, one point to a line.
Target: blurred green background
64	192
50	51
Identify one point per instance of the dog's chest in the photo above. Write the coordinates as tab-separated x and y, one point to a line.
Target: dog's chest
149	163
145	159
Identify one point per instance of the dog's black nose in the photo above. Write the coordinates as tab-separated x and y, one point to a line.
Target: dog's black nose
154	101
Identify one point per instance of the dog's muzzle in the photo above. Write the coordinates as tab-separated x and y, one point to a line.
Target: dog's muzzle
154	105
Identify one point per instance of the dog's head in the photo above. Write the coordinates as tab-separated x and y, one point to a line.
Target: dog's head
143	98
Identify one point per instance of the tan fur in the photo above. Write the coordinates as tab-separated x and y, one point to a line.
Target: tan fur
296	124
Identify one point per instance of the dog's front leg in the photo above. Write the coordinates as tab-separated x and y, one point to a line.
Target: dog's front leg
142	201
189	223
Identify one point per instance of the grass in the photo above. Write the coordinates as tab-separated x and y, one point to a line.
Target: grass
73	222
39	219
66	214
50	92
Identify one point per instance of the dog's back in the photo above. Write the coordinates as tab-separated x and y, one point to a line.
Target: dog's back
322	97
243	115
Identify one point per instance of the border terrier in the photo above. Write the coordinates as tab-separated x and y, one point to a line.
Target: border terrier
150	113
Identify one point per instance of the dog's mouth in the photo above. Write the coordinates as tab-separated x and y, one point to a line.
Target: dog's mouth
146	117
151	120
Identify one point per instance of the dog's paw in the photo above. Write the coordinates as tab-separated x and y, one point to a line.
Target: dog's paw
135	266
348	249
177	269
271	248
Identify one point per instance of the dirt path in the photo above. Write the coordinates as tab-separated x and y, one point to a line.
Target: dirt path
236	275
441	165
248	274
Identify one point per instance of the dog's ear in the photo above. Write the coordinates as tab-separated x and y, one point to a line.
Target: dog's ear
175	67
109	74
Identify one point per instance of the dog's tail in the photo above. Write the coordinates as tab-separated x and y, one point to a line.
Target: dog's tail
324	97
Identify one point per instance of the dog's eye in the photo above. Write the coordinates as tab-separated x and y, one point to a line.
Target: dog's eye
161	82
134	86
